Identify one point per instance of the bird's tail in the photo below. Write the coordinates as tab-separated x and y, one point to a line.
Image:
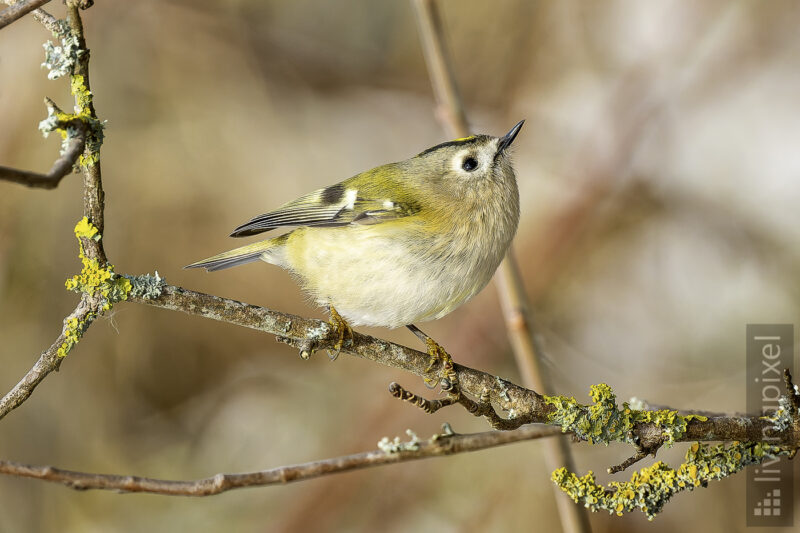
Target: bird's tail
268	250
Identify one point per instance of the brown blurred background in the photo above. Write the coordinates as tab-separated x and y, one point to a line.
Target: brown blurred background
658	170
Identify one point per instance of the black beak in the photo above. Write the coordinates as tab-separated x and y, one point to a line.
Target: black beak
508	138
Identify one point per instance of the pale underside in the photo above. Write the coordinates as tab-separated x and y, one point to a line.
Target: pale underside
387	278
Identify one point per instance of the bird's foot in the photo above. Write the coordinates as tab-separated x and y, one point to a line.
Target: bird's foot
447	377
340	331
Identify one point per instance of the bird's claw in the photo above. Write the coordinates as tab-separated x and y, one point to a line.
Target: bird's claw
448	375
340	331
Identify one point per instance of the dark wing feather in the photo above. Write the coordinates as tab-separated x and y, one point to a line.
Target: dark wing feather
337	205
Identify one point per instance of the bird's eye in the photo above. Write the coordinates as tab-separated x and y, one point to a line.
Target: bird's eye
470	164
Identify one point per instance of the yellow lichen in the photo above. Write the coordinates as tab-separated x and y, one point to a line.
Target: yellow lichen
94	279
604	422
86	229
83	104
651	488
83	96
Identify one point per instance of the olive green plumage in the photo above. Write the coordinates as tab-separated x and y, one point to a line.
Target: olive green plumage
401	243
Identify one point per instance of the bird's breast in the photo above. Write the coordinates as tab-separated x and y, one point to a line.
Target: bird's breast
399	272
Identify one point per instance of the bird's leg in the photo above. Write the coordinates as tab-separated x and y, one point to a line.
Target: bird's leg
340	330
438	355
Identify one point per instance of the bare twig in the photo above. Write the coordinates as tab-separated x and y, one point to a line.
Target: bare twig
516	315
47	20
18	10
61	168
450	110
638	456
437	446
43	17
428	406
482	408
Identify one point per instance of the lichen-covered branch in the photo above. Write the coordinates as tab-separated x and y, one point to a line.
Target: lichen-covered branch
42	17
99	286
602	421
389	452
93	195
652	487
74	325
74	133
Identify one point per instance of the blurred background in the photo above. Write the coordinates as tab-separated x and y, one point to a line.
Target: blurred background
658	171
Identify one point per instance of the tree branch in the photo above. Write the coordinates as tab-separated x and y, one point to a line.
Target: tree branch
61	168
50	359
391	453
523	405
93	195
88	127
18	10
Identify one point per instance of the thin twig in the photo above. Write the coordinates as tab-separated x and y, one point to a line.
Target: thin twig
42	17
18	10
638	456
449	110
93	195
61	168
516	314
437	446
482	408
47	20
428	406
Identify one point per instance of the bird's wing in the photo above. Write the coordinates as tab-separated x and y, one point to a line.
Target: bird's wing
337	205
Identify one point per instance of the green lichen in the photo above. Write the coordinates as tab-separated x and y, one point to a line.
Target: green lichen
604	421
61	61
783	417
63	123
146	286
652	487
73	331
96	280
397	446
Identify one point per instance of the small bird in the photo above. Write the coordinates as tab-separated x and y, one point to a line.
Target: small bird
399	244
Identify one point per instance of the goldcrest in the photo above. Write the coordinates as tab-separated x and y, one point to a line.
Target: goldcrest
402	243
